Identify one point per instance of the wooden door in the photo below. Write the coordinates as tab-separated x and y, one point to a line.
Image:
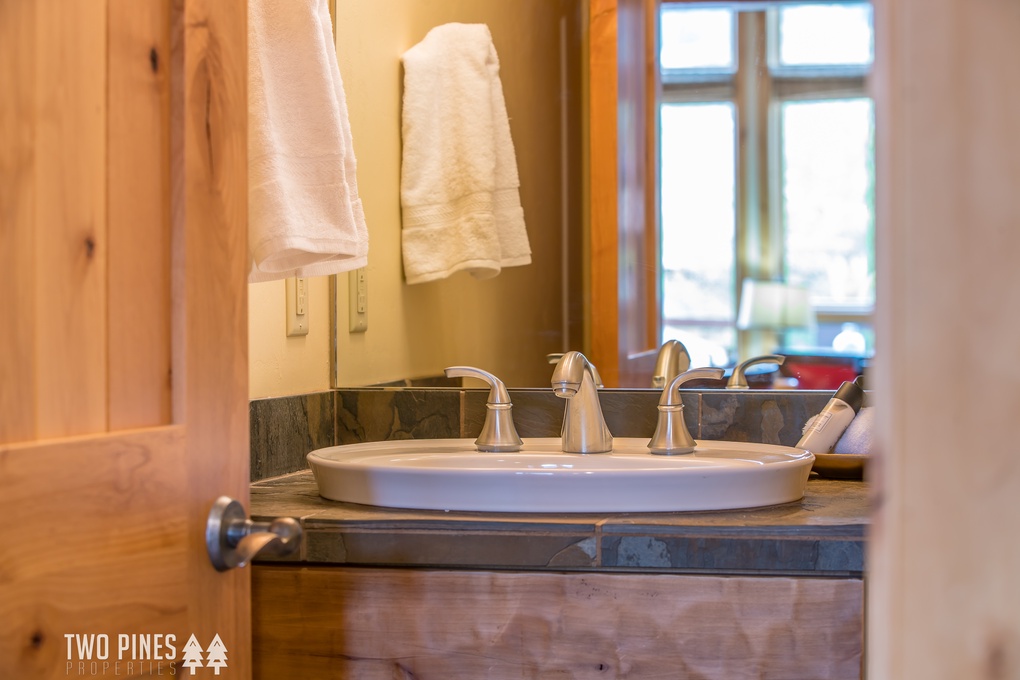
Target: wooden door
123	333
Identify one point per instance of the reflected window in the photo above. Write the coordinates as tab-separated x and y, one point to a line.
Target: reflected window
827	186
767	169
825	35
698	39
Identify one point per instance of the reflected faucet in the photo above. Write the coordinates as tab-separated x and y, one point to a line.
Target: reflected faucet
584	427
673	359
738	380
671	434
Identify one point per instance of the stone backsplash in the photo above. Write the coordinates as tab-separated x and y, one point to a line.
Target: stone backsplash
285	429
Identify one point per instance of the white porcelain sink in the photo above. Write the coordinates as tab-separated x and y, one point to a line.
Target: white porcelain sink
449	474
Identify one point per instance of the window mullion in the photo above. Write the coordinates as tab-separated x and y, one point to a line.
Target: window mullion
758	249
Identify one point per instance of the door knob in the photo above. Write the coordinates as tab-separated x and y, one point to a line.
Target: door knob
233	540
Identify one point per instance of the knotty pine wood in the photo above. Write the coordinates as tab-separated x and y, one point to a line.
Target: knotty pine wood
368	624
52	213
18	402
94	540
138	274
209	213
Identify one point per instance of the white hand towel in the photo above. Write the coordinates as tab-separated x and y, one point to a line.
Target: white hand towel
859	434
304	214
459	187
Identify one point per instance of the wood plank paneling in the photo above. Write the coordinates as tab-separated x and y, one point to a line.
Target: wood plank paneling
373	624
70	217
138	141
18	400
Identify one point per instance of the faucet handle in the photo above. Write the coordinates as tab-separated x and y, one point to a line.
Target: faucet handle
671	434
671	393
738	380
498	432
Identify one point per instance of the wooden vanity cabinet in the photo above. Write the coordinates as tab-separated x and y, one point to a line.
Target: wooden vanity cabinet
314	622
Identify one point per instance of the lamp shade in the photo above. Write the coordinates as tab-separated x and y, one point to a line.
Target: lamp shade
772	305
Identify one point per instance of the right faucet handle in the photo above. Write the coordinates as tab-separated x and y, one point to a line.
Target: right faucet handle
738	380
498	433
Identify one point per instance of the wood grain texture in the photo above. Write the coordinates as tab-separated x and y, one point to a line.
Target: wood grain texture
54	224
603	190
369	624
209	201
70	218
88	557
623	242
18	391
138	142
944	559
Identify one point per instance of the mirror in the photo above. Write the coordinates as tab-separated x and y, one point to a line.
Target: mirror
507	324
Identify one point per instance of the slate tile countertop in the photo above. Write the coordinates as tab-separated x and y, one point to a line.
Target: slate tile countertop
823	535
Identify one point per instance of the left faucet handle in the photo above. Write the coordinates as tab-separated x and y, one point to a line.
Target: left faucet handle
498	433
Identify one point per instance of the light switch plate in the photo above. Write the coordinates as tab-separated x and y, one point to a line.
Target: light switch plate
297	306
357	286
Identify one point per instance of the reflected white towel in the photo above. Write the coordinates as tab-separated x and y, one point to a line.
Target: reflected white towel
304	214
859	434
459	187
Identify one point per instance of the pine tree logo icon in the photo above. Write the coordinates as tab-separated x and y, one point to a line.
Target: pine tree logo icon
216	654
193	655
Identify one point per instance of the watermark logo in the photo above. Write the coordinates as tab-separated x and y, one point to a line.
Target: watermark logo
215	655
94	655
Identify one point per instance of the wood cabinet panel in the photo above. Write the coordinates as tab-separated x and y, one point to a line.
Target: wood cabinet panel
390	623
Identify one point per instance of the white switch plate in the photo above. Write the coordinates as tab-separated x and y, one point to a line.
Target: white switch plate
297	306
357	286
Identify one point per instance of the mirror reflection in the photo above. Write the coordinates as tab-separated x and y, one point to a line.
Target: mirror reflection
757	145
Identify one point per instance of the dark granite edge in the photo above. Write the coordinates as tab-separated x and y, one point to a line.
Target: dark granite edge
663	543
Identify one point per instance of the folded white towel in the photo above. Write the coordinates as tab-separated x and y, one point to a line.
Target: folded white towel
304	214
459	187
859	434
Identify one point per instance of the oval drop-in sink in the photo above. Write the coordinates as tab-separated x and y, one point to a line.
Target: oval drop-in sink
449	474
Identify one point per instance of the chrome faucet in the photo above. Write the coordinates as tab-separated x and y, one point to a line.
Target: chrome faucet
673	359
671	434
498	432
738	379
584	427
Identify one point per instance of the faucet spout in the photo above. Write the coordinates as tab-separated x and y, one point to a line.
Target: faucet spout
584	427
672	360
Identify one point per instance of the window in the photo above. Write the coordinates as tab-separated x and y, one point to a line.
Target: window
767	172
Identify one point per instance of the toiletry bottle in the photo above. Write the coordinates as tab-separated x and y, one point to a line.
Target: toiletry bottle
828	426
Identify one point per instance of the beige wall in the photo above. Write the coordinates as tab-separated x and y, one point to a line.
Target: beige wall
506	324
279	365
